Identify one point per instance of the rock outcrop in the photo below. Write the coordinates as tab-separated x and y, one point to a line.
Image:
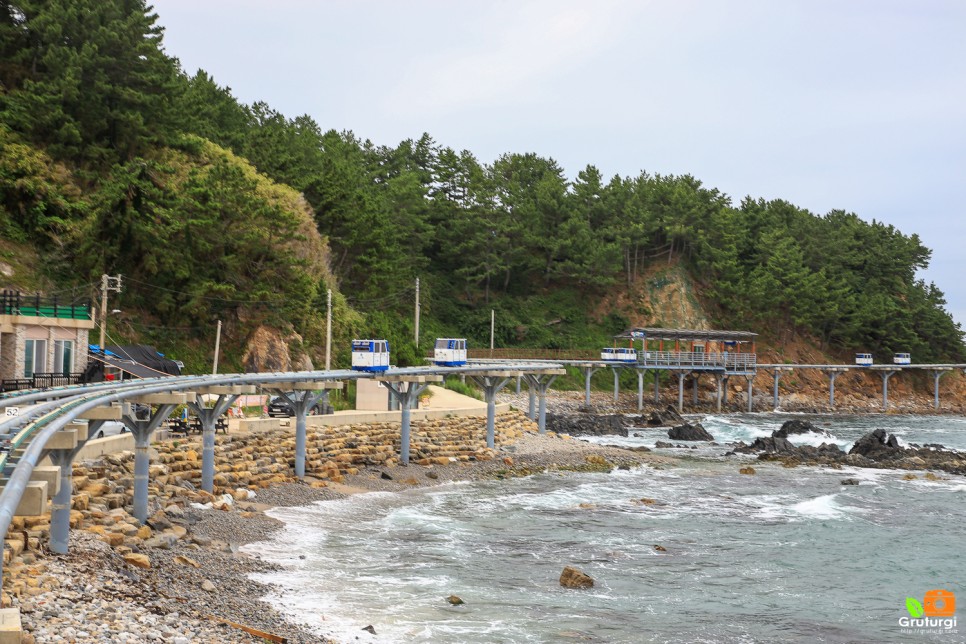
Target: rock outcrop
689	432
587	424
796	426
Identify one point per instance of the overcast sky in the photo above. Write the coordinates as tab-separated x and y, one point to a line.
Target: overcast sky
854	105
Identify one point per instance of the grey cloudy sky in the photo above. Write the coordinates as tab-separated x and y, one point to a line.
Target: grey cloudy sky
857	105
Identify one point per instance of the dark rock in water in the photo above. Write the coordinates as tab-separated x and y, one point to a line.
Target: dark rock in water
876	446
386	476
767	444
587	425
689	432
798	427
850	481
663	445
370	629
665	418
455	600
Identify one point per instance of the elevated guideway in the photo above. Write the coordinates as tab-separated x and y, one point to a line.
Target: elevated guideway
44	423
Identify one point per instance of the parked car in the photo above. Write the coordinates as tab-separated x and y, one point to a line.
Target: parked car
110	428
278	407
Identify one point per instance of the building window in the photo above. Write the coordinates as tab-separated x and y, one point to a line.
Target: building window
63	357
35	358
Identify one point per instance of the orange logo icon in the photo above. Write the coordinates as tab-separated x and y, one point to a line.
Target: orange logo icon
939	603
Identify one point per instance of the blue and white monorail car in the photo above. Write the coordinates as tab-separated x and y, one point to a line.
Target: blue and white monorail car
902	358
863	359
370	355
450	352
618	354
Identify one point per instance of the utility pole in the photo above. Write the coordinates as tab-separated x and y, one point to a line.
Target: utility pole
328	329
108	283
417	314
492	325
214	368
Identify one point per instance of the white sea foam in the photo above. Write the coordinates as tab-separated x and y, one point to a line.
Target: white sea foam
823	507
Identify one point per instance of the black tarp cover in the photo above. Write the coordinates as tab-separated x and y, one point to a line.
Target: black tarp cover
139	360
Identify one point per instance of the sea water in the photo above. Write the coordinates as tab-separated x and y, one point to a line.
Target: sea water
784	555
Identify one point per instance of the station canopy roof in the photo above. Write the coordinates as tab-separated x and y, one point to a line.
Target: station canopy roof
687	334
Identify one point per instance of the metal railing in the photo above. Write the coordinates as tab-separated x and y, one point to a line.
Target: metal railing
41	381
730	361
15	303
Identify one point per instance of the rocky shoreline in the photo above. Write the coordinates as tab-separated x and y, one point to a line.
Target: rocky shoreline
181	578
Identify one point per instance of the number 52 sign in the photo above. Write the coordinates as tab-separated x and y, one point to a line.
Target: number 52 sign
12	411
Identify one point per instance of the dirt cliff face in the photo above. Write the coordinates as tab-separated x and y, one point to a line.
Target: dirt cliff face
267	349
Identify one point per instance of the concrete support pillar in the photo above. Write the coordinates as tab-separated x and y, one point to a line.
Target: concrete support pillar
142	431
301	402
617	383
724	391
519	379
405	393
208	416
540	382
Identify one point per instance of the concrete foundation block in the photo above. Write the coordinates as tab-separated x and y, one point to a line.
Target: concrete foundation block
34	500
50	474
11	630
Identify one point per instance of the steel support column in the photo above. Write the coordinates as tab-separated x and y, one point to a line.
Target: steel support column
491	385
301	402
885	387
681	375
532	412
751	388
776	375
142	431
936	375
541	383
60	506
208	416
405	393
640	389
720	382
588	372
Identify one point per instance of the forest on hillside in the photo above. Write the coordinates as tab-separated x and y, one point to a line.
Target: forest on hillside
113	159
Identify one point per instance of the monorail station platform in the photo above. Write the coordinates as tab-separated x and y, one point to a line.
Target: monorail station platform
682	353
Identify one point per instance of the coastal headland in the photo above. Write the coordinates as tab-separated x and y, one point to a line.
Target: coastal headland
181	577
